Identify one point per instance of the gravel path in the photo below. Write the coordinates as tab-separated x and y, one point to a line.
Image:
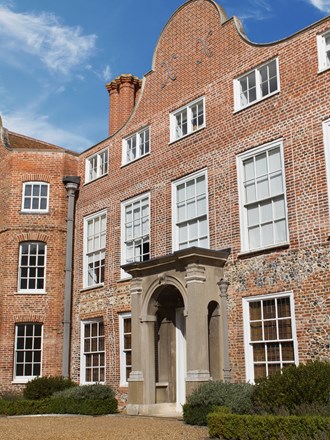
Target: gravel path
112	427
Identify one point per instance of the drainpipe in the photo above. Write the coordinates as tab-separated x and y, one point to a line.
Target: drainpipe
223	286
71	185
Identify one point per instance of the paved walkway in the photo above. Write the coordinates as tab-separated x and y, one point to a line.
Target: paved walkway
110	427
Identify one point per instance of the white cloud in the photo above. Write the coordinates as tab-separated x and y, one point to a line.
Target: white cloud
37	126
61	48
106	73
322	5
255	10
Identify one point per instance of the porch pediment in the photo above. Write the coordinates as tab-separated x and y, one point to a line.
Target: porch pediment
178	261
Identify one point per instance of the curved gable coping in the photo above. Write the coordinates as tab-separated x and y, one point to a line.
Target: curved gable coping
244	37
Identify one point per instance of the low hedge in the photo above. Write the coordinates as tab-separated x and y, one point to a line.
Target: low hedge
256	427
236	396
90	407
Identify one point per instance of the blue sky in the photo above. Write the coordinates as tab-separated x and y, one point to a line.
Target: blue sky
57	55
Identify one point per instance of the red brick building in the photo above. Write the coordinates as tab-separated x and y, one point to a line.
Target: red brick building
33	223
202	222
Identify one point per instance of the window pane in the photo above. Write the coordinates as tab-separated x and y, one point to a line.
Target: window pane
270	330
254	238
269	309
203	228
259	353
279	208
280	231
183	233
261	165
283	307
259	371
272	368
274	160
250	192
256	331
273	85
287	351
127	325
201	206
193	230
253	215
262	188
276	184
273	352
127	341
284	329
249	169
255	310
266	212
267	236
200	185
180	191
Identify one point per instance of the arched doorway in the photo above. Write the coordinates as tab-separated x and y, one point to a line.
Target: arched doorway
174	301
170	345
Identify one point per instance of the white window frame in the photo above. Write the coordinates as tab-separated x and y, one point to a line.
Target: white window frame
123	350
99	352
175	222
32	267
37	197
142	148
245	247
322	48
248	346
326	141
188	109
143	237
97	165
237	85
28	348
95	252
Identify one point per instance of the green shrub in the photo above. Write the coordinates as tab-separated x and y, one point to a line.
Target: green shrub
11	395
92	392
256	427
59	406
42	387
293	388
92	407
235	396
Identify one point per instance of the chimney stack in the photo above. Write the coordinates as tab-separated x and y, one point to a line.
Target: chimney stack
123	93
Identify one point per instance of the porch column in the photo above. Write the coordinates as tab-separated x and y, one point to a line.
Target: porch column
196	328
223	286
136	380
148	359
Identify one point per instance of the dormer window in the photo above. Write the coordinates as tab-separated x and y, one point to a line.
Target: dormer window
323	47
256	85
188	119
96	165
136	146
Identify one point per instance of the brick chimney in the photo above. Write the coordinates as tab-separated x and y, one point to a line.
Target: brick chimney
123	93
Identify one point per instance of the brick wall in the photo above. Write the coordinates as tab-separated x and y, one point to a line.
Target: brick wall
181	72
19	166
